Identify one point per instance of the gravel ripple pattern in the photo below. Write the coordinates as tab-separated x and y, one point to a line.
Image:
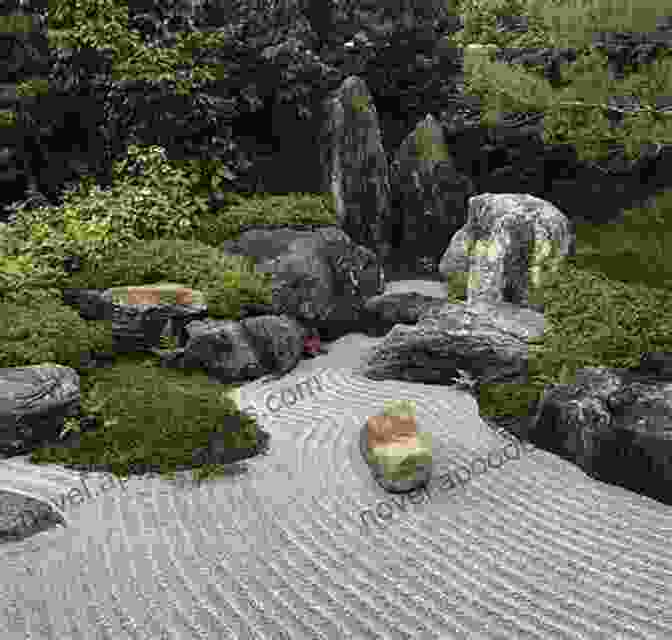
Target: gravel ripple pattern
302	543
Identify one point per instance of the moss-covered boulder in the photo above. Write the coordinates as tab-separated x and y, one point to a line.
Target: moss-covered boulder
399	457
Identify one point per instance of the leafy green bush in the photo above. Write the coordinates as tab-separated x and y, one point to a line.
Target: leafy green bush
35	263
480	24
145	262
151	199
226	281
7	118
232	289
20	276
615	323
50	233
46	330
103	24
159	202
165	188
163	200
294	209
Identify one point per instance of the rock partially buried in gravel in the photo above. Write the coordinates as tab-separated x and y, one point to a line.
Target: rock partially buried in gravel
399	458
22	516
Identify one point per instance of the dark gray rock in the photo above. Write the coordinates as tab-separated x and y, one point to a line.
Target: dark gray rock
91	303
23	516
320	281
321	278
657	364
386	310
487	341
216	452
263	244
140	327
223	349
239	351
278	340
252	310
355	166
615	424
430	196
34	403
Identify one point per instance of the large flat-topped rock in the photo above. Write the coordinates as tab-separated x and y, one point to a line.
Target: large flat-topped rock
160	293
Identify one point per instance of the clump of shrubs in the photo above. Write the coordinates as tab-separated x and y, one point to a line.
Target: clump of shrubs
299	209
622	321
45	330
226	281
156	223
152	198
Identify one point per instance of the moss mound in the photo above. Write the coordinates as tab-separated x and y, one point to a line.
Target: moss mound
154	418
154	421
634	249
45	330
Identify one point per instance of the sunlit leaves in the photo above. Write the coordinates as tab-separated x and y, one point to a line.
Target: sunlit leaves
577	112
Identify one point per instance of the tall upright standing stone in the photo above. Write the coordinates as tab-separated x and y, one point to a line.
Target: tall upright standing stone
355	167
432	195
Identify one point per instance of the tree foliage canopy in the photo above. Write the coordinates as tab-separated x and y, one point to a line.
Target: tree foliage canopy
576	112
103	24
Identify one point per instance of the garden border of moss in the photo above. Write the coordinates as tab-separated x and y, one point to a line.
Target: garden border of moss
178	459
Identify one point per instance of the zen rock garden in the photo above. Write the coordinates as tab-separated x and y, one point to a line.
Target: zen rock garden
506	260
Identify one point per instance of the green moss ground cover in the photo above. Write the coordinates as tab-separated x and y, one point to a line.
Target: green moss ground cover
154	419
606	306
